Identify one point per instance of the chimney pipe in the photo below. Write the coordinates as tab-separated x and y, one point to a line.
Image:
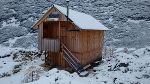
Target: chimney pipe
67	10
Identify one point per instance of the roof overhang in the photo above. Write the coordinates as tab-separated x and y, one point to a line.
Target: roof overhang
73	17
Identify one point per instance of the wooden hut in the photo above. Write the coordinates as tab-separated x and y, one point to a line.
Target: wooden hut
73	41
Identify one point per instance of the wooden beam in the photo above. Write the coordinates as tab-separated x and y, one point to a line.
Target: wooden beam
35	26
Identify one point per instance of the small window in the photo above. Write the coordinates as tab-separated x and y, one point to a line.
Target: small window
53	17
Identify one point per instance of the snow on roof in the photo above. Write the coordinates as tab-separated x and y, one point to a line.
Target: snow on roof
82	20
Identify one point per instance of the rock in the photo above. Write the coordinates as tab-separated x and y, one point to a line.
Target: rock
123	64
114	80
119	65
16	69
6	74
146	76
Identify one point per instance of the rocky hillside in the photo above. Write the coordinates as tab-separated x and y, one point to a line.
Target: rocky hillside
16	19
129	20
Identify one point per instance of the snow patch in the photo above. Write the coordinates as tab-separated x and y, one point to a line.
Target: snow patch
11	22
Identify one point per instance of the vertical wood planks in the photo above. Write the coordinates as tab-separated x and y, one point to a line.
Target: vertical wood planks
86	45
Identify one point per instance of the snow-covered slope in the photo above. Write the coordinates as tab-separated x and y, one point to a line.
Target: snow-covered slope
121	68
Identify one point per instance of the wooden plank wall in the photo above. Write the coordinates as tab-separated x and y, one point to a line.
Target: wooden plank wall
48	37
92	42
57	60
86	45
52	45
83	44
40	36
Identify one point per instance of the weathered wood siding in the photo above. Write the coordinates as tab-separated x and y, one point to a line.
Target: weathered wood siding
52	45
40	36
86	45
57	60
92	44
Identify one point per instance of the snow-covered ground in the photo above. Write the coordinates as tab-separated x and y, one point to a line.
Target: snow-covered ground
15	63
132	67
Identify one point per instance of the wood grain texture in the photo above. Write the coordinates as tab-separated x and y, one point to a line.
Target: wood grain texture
86	45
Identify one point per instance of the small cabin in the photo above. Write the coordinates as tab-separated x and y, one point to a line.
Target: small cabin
71	40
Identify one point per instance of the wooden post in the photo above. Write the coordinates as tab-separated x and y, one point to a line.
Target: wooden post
59	30
45	57
32	75
59	36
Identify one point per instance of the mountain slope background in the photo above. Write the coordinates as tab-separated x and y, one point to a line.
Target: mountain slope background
129	20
